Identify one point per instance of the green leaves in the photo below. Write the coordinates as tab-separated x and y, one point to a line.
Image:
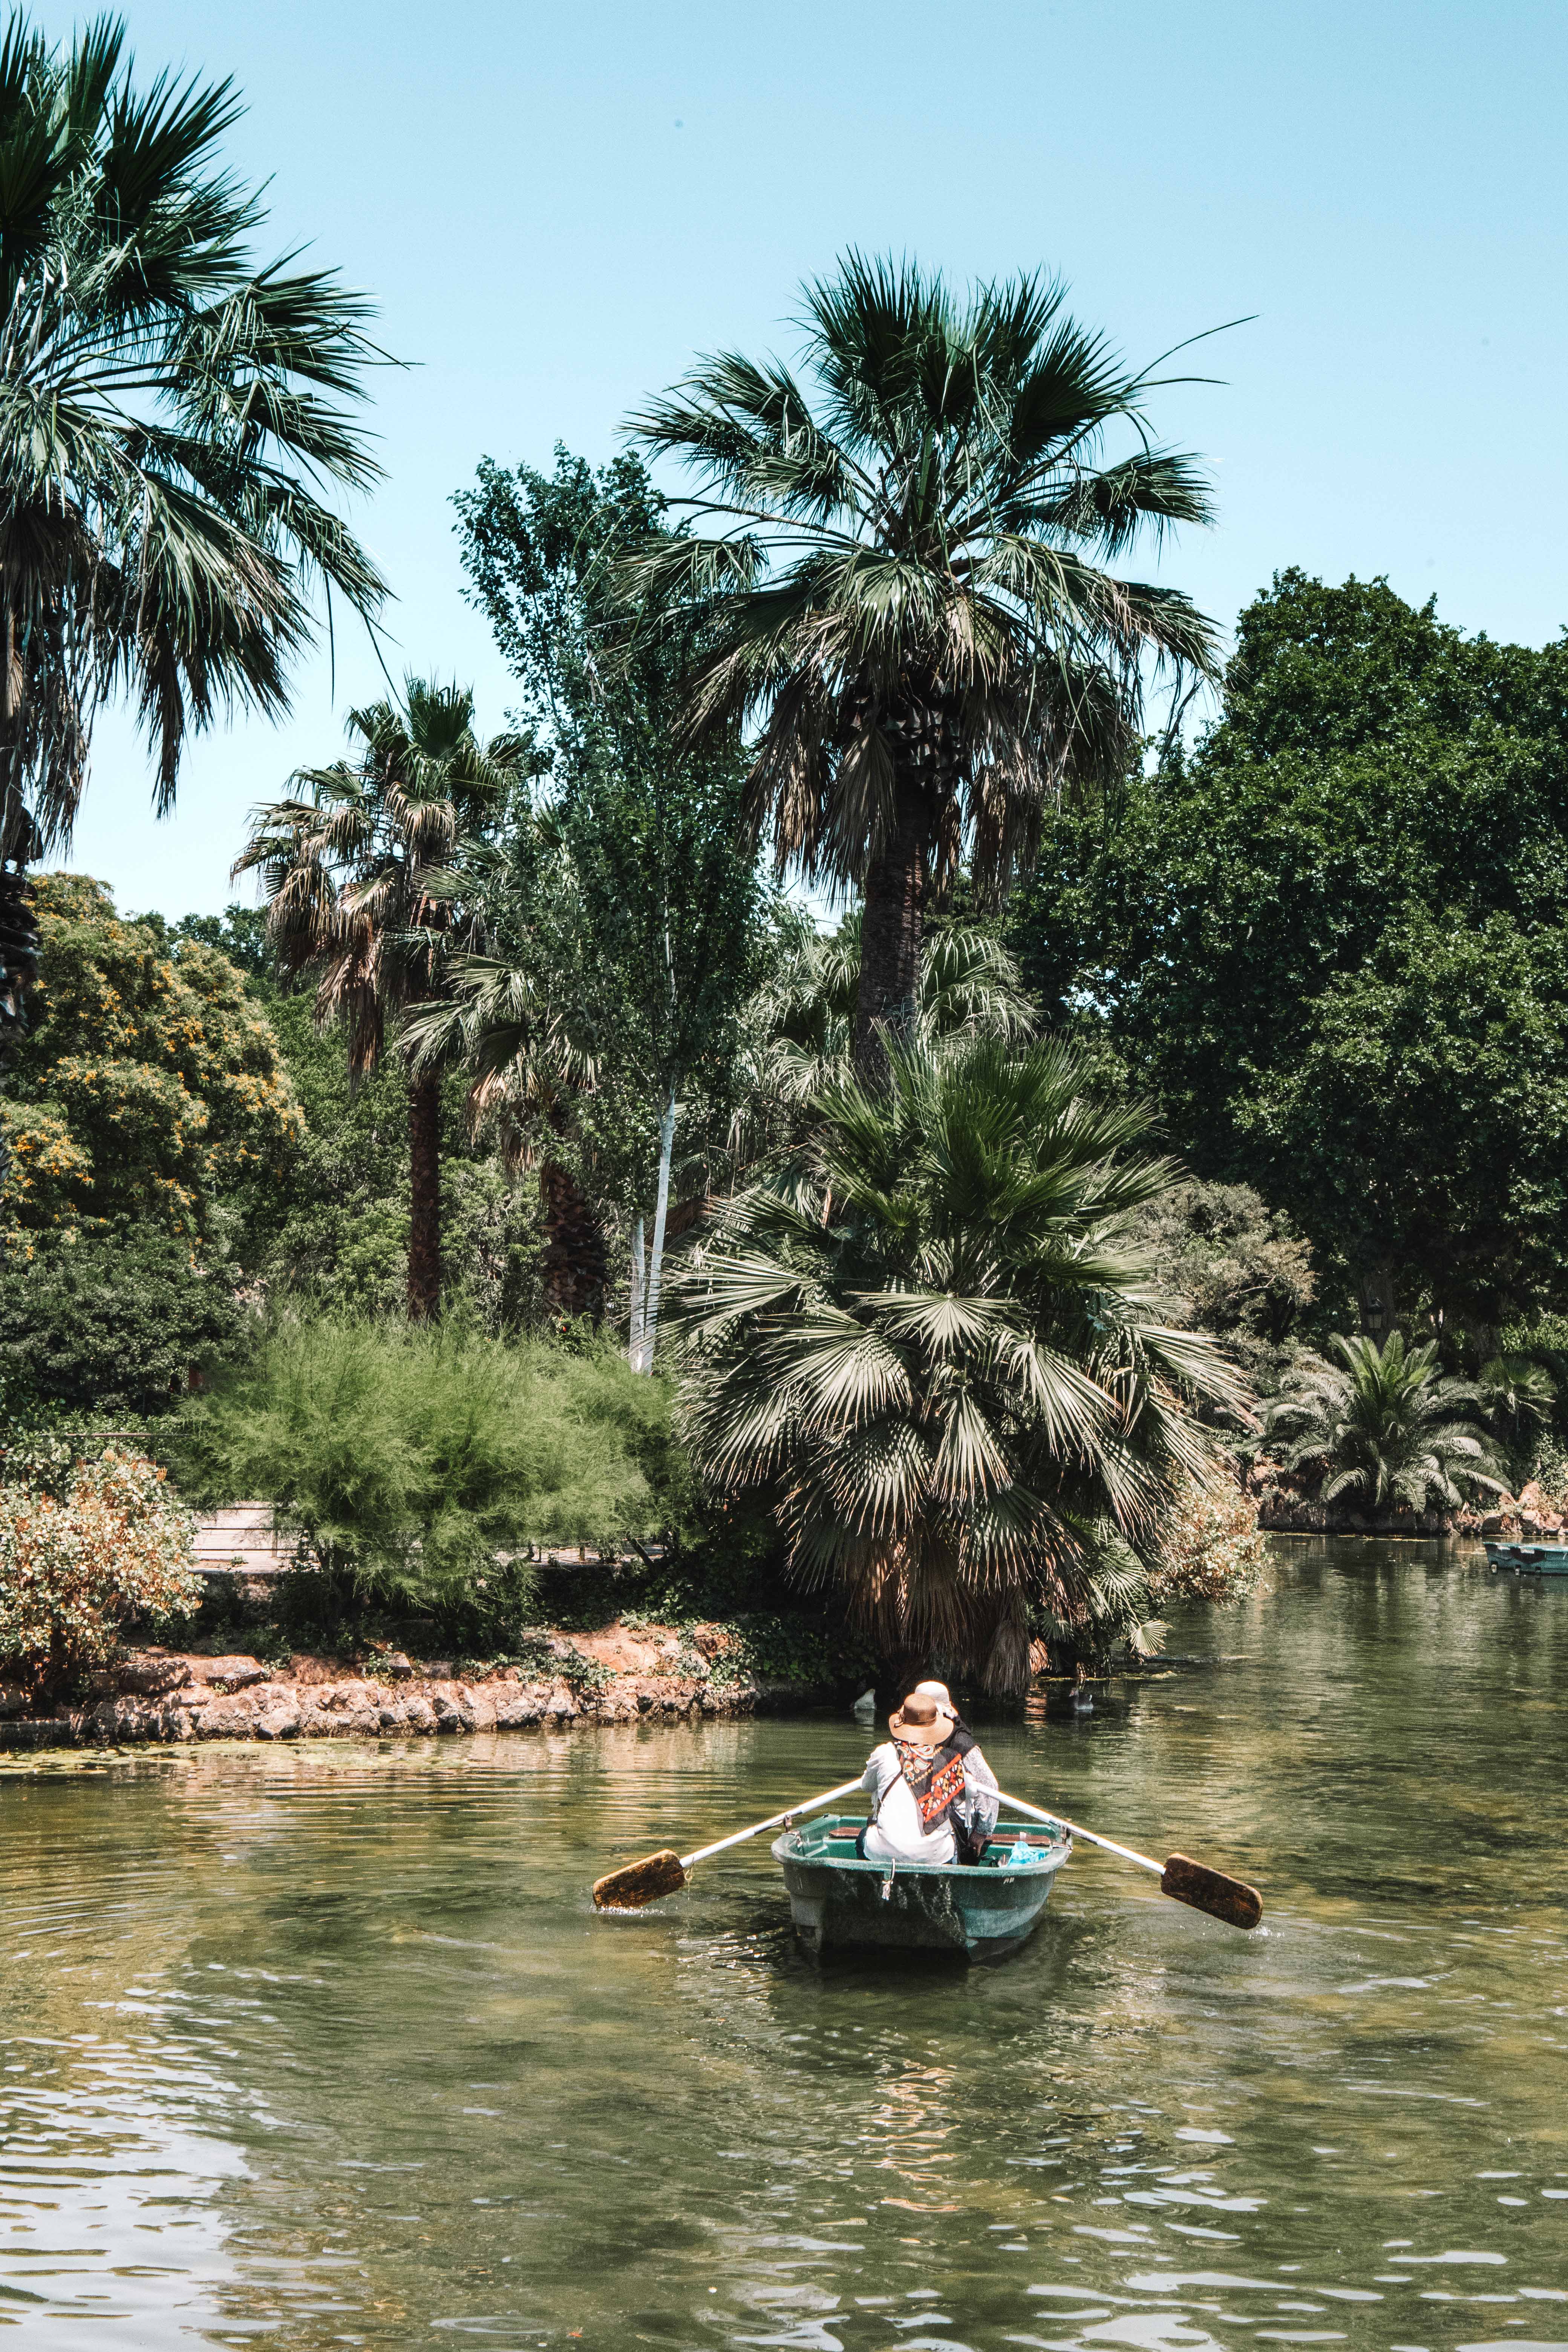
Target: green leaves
363	872
926	1342
163	465
911	525
408	1454
1385	1428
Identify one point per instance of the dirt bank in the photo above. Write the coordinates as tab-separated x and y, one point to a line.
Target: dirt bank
614	1675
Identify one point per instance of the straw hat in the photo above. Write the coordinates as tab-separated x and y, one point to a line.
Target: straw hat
940	1691
924	1715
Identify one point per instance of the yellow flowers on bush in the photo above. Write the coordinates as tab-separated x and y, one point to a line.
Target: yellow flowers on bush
110	1547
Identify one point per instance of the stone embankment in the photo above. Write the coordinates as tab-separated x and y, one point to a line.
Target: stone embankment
612	1676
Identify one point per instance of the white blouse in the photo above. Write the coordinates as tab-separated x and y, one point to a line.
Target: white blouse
897	1833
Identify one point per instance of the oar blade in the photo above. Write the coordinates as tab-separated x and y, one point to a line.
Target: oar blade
1223	1897
640	1881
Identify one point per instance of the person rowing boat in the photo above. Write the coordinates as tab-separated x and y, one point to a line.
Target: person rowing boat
933	1796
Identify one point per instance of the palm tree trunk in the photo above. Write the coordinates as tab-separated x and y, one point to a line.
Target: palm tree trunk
571	1260
424	1196
890	934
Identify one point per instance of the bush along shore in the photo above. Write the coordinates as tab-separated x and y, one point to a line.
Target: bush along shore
111	1632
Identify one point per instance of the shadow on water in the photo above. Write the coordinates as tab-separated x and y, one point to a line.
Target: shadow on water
329	2044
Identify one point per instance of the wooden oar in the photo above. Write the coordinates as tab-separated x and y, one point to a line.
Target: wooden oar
1185	1881
664	1873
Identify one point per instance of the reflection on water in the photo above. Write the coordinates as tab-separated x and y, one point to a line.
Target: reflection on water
329	2045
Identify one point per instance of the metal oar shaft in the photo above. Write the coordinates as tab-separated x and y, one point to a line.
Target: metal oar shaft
809	1805
1061	1822
1181	1878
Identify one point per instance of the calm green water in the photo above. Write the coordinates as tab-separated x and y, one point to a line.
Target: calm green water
328	2046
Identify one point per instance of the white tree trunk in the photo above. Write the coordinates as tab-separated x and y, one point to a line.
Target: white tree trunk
639	1295
661	1210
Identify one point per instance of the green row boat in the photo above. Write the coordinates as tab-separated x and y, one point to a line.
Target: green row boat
1528	1559
984	1909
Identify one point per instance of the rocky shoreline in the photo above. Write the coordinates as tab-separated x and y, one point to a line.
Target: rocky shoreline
613	1677
1532	1515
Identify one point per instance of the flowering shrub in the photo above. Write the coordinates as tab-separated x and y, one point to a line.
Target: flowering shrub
113	1545
1210	1548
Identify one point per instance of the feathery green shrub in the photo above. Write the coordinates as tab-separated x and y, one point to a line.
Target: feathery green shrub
409	1455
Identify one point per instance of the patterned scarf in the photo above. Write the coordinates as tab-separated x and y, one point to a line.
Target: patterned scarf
935	1774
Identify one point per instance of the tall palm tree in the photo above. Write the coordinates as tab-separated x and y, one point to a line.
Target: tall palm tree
1383	1425
362	875
906	571
929	1344
170	413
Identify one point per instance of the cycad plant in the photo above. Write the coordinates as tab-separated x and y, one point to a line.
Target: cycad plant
905	590
362	874
170	411
929	1345
1383	1425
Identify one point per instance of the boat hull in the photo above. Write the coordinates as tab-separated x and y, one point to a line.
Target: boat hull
1528	1559
983	1912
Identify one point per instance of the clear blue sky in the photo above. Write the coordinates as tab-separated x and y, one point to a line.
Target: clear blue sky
557	208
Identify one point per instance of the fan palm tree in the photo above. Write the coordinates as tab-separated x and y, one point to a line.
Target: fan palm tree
907	585
1382	1425
800	1026
928	1344
1516	1390
361	877
170	412
969	986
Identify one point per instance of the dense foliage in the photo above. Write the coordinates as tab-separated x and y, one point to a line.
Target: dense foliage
627	918
410	1455
1329	943
111	1324
929	1344
147	1084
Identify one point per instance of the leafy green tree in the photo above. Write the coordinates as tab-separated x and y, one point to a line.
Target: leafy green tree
363	890
147	1084
1379	814
1423	1115
1236	1269
172	410
929	1345
629	922
112	1321
908	589
1382	1425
